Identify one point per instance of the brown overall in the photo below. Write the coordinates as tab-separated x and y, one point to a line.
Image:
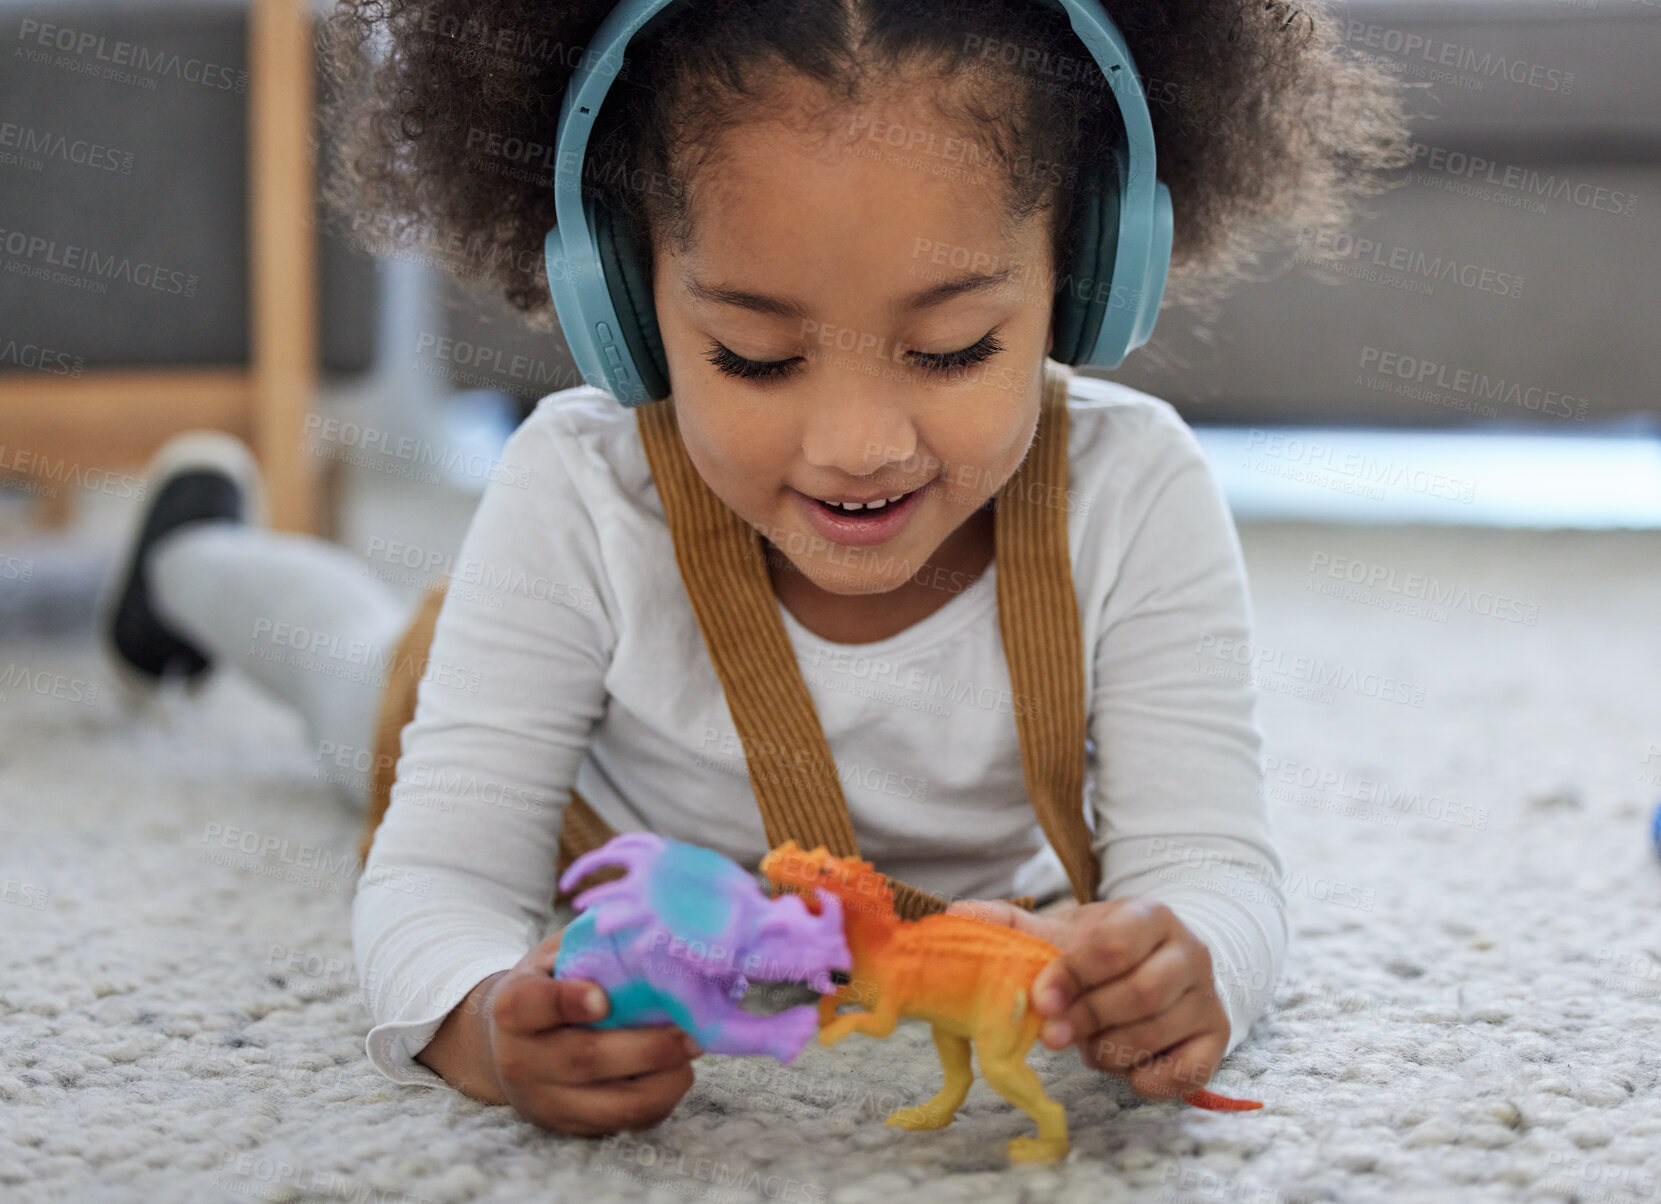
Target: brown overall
723	566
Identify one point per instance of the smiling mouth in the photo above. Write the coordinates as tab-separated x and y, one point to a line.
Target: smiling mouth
869	510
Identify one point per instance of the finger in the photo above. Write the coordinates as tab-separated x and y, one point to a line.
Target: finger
1149	989
1128	1047
1115	941
585	1056
1184	1067
547	951
1007	915
528	1004
992	911
623	1104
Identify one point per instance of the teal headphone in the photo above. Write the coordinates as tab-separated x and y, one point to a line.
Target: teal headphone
1104	308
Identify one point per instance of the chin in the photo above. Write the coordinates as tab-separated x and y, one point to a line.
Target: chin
885	573
864	587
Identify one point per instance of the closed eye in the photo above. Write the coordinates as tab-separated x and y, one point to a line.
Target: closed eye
943	363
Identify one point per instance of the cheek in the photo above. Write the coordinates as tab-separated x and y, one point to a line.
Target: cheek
732	444
985	441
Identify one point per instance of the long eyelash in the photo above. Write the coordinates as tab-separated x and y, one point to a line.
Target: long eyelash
952	361
730	364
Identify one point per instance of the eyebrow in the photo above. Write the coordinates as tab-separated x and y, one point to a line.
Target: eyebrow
720	294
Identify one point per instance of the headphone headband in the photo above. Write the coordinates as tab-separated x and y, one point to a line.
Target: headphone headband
605	310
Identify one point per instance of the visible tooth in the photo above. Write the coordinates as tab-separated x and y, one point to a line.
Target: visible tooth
877	505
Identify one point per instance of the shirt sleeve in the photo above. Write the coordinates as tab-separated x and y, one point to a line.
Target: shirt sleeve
461	878
1180	812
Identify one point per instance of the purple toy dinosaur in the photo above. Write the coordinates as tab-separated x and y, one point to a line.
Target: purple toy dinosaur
679	937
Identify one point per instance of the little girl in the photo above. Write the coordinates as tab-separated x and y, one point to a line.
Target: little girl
804	177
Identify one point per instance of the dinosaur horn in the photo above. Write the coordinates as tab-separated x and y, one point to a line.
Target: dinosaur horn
628	850
778	861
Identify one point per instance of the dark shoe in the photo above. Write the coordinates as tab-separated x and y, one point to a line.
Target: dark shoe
199	476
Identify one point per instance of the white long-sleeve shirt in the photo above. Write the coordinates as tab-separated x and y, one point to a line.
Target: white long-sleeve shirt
568	654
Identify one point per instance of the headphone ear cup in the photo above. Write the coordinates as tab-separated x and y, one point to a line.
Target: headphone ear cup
630	286
1085	284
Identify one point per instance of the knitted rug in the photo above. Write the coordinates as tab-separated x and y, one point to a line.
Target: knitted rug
1463	746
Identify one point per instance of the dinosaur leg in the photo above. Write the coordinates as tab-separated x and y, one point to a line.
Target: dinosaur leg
828	1005
1017	1082
878	1022
938	1112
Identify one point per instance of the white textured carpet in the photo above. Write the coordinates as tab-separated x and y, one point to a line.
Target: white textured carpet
1470	1008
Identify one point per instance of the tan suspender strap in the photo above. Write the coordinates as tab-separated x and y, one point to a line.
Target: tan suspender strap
397	708
725	571
1038	617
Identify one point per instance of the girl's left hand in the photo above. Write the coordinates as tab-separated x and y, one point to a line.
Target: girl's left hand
1133	988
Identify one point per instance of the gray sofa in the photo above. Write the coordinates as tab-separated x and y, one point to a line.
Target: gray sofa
139	130
1533	217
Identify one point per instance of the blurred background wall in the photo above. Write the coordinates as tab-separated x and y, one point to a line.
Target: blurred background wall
1521	248
1508	280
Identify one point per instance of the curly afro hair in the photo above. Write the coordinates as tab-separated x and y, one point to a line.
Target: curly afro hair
443	113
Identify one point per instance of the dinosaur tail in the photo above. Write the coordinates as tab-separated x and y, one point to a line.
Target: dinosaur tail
1219	1103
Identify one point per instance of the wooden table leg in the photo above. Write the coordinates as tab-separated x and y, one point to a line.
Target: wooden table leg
282	256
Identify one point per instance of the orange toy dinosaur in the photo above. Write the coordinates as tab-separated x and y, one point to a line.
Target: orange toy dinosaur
967	978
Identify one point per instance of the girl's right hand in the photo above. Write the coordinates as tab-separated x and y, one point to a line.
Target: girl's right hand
588	1082
578	1080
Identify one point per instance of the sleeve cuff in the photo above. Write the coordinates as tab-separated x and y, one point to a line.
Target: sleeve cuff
1244	971
392	1046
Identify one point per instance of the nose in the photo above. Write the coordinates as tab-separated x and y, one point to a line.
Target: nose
857	425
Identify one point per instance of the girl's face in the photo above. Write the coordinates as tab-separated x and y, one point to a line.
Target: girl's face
804	329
